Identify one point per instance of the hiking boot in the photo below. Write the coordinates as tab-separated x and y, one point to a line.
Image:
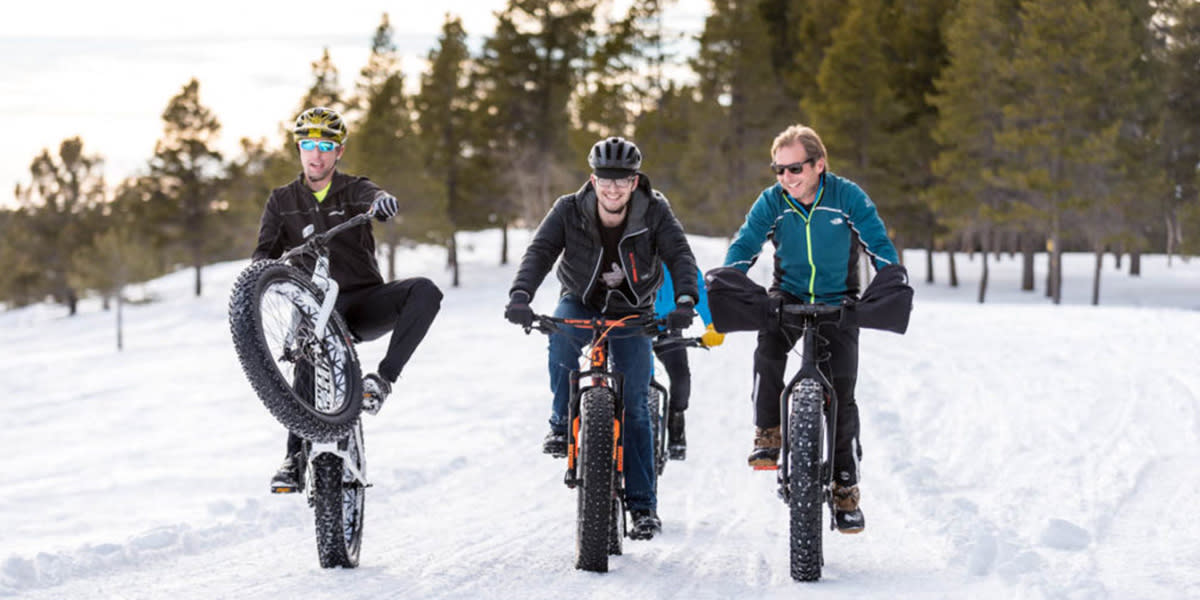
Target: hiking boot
767	441
677	446
555	444
645	524
846	514
375	391
287	479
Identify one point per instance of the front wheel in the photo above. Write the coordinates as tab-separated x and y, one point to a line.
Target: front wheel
806	494
309	380
656	402
597	411
338	499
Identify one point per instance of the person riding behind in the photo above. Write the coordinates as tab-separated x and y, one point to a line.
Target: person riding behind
324	197
674	359
612	235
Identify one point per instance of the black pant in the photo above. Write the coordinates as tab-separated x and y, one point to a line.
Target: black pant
770	361
405	307
675	360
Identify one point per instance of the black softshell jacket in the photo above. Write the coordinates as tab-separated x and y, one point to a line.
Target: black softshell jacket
571	229
292	207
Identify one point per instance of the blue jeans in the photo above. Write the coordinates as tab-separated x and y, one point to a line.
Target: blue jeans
631	357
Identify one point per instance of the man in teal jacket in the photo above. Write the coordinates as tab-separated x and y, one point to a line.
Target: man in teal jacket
818	223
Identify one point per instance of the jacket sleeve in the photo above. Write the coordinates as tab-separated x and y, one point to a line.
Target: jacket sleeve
748	242
702	302
865	219
547	244
364	195
676	252
270	232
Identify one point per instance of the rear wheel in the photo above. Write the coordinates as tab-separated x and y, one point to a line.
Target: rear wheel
805	491
595	464
338	499
311	383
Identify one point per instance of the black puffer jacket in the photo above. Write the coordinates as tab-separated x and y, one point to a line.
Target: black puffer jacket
292	207
571	228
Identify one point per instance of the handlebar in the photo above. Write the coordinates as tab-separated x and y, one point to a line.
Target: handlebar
319	239
631	326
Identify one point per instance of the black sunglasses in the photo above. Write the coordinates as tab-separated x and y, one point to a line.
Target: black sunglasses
794	168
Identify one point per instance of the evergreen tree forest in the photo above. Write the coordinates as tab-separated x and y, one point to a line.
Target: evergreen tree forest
1003	128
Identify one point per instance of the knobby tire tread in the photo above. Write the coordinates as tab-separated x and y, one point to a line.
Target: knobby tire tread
805	425
254	354
592	541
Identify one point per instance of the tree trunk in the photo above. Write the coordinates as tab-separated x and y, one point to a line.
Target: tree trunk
504	243
197	279
953	269
452	258
120	306
391	259
983	276
1096	276
1135	263
929	259
1027	262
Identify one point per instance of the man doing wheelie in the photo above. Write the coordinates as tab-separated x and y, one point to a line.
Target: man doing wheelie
324	197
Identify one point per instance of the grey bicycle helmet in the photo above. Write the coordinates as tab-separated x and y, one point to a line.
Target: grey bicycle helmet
615	158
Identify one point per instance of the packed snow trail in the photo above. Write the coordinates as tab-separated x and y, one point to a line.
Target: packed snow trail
1012	449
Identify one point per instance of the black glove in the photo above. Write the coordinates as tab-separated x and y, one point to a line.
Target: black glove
682	316
518	310
384	207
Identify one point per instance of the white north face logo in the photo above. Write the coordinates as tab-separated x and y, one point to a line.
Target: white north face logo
836	221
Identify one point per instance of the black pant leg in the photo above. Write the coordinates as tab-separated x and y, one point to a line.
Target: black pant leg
406	308
770	360
675	361
842	371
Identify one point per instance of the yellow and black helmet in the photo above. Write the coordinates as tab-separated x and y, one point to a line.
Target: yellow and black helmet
321	122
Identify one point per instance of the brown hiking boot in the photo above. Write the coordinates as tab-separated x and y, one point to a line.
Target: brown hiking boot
846	514
767	441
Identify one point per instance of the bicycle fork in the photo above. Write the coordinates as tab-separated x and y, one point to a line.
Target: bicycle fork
809	370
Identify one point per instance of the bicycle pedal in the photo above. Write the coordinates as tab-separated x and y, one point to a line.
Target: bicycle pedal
766	467
284	489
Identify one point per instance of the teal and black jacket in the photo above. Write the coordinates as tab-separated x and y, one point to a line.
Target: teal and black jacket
817	247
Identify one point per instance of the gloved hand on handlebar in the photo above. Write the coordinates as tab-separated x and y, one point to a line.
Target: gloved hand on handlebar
712	337
384	207
518	310
684	313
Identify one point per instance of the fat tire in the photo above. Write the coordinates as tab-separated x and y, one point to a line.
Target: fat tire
658	425
273	386
338	502
805	493
616	530
595	464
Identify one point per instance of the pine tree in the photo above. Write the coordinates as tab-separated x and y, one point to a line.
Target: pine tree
51	225
742	107
186	172
443	106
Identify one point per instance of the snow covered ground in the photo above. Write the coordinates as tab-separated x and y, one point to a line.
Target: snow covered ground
1012	450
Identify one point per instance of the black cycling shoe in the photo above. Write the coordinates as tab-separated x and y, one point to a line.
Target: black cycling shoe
677	444
645	524
287	479
555	444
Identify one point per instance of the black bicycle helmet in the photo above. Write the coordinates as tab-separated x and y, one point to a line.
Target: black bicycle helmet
615	157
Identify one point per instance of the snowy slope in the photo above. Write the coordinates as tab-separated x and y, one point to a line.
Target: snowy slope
1013	450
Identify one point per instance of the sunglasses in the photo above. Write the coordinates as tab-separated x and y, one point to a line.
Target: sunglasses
794	168
620	184
322	145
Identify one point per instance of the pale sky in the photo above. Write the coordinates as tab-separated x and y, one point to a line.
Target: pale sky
105	71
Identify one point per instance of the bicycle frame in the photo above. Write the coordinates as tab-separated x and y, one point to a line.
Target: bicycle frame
318	244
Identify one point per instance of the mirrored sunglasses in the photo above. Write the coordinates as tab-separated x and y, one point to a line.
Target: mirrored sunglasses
322	145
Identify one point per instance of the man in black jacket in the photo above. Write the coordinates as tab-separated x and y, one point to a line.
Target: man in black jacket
323	197
611	235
